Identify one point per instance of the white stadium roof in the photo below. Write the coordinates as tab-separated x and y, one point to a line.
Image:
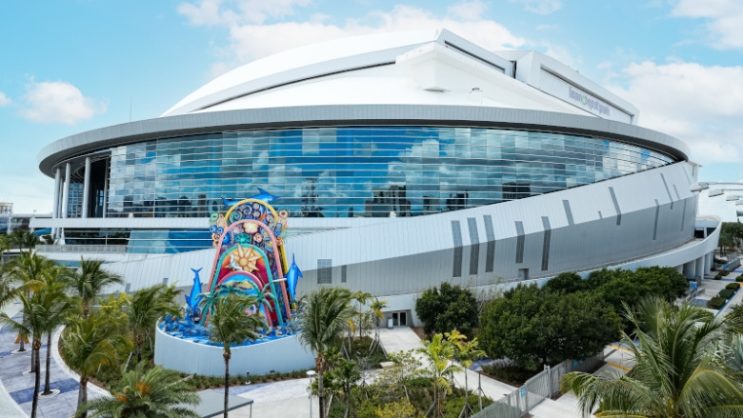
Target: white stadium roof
420	67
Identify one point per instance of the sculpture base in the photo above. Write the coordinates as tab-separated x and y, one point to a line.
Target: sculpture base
282	355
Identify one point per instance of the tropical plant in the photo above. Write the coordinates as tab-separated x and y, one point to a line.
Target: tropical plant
58	307
29	271
675	376
440	352
465	352
4	246
88	282
88	344
38	307
146	306
361	298
323	322
230	324
147	393
23	239
377	306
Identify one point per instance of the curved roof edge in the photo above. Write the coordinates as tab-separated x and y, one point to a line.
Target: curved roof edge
194	123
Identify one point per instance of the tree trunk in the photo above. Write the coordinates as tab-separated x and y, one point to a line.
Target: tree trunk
82	396
35	348
320	390
138	341
47	391
226	356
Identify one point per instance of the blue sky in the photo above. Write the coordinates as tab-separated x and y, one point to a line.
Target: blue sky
69	66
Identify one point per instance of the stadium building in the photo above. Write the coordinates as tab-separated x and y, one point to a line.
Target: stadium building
404	160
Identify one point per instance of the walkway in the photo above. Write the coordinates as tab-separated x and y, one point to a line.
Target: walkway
17	384
404	339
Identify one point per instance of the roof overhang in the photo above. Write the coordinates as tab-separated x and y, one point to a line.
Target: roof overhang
194	123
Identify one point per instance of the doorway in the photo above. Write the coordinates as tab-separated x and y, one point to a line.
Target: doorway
400	319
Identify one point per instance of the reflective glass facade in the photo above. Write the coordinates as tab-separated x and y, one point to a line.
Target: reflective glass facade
360	170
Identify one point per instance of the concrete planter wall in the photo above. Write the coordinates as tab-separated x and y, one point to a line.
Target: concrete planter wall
283	355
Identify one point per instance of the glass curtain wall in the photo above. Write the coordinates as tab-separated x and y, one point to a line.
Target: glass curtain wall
373	171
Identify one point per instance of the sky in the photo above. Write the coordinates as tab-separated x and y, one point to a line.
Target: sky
67	66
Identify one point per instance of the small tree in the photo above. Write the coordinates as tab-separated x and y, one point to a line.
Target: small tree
439	352
88	344
466	352
230	324
88	282
566	283
145	307
448	308
326	315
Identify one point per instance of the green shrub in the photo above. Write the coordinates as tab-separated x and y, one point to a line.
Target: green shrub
718	276
733	286
451	307
726	293
724	273
716	302
739	279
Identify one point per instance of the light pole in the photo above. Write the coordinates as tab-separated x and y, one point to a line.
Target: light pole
311	375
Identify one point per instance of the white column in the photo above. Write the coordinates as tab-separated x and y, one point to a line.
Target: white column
699	268
66	189
86	186
57	179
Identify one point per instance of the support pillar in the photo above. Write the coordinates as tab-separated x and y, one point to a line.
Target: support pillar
66	190
689	269
57	180
699	268
86	186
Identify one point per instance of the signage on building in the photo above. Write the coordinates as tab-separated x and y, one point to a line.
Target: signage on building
589	102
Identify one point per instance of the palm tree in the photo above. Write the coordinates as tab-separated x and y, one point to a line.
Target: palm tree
231	324
89	281
145	308
151	393
377	306
88	344
440	352
37	308
4	246
465	352
323	323
22	238
59	308
361	297
29	270
675	376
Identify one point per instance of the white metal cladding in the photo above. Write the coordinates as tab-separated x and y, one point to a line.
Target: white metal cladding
105	138
408	255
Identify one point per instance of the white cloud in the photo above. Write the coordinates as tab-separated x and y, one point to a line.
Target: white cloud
702	105
262	31
57	102
540	7
724	19
237	12
4	99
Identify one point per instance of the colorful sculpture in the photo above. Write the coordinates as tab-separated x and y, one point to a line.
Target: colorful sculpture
250	260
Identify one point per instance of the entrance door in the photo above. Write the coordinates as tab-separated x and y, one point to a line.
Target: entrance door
403	319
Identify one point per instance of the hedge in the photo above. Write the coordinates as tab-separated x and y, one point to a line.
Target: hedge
716	302
739	279
726	293
733	286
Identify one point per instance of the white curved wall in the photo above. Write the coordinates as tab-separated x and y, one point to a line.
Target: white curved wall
283	355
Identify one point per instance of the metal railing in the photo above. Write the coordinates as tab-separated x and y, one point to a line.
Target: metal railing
539	387
56	248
